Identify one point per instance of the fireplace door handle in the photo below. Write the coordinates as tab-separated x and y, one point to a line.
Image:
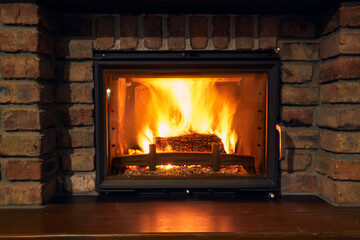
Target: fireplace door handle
282	140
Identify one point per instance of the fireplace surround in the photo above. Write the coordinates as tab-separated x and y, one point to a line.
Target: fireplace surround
47	124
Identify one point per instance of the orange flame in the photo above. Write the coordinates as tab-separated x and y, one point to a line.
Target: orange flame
178	106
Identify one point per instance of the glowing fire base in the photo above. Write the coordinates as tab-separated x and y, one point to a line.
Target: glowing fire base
215	159
185	171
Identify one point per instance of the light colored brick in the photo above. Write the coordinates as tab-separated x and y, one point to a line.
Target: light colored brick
340	92
306	138
299	51
339	118
298	183
296	73
80	182
341	168
299	95
340	142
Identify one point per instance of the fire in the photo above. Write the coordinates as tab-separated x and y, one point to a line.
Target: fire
179	106
169	166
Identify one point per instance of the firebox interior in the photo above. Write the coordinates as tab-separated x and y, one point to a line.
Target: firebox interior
199	123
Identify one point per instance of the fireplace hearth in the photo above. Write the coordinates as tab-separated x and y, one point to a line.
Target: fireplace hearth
184	120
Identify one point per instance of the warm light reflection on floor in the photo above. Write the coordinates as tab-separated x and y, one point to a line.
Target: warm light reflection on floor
184	218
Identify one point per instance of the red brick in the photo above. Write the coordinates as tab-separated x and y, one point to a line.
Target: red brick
20	67
29	14
105	32
35	169
75	49
339	68
198	32
152	32
9	13
78	116
176	31
77	137
299	51
344	17
23	170
74	93
296	161
296	116
19	13
339	118
221	38
340	192
79	161
340	44
76	25
296	72
341	169
340	142
299	95
244	32
297	29
306	138
340	92
13	41
78	72
26	40
268	32
80	182
26	67
128	32
350	16
27	119
26	144
298	183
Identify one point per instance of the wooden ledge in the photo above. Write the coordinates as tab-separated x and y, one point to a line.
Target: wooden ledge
182	217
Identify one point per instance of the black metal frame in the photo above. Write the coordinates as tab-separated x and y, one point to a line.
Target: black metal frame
189	60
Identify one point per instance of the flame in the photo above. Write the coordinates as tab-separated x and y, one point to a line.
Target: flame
146	139
178	106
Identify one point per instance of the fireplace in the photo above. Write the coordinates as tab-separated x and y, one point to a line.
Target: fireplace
47	125
187	120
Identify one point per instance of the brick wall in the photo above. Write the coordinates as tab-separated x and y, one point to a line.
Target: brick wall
338	114
296	35
319	90
29	162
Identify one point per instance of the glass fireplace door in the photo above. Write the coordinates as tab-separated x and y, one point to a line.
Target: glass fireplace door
186	124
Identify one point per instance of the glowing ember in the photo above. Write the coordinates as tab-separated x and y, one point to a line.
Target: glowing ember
169	166
180	106
184	170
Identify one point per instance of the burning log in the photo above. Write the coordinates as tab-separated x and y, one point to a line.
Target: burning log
193	142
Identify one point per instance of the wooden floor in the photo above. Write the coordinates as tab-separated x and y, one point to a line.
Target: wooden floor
182	217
